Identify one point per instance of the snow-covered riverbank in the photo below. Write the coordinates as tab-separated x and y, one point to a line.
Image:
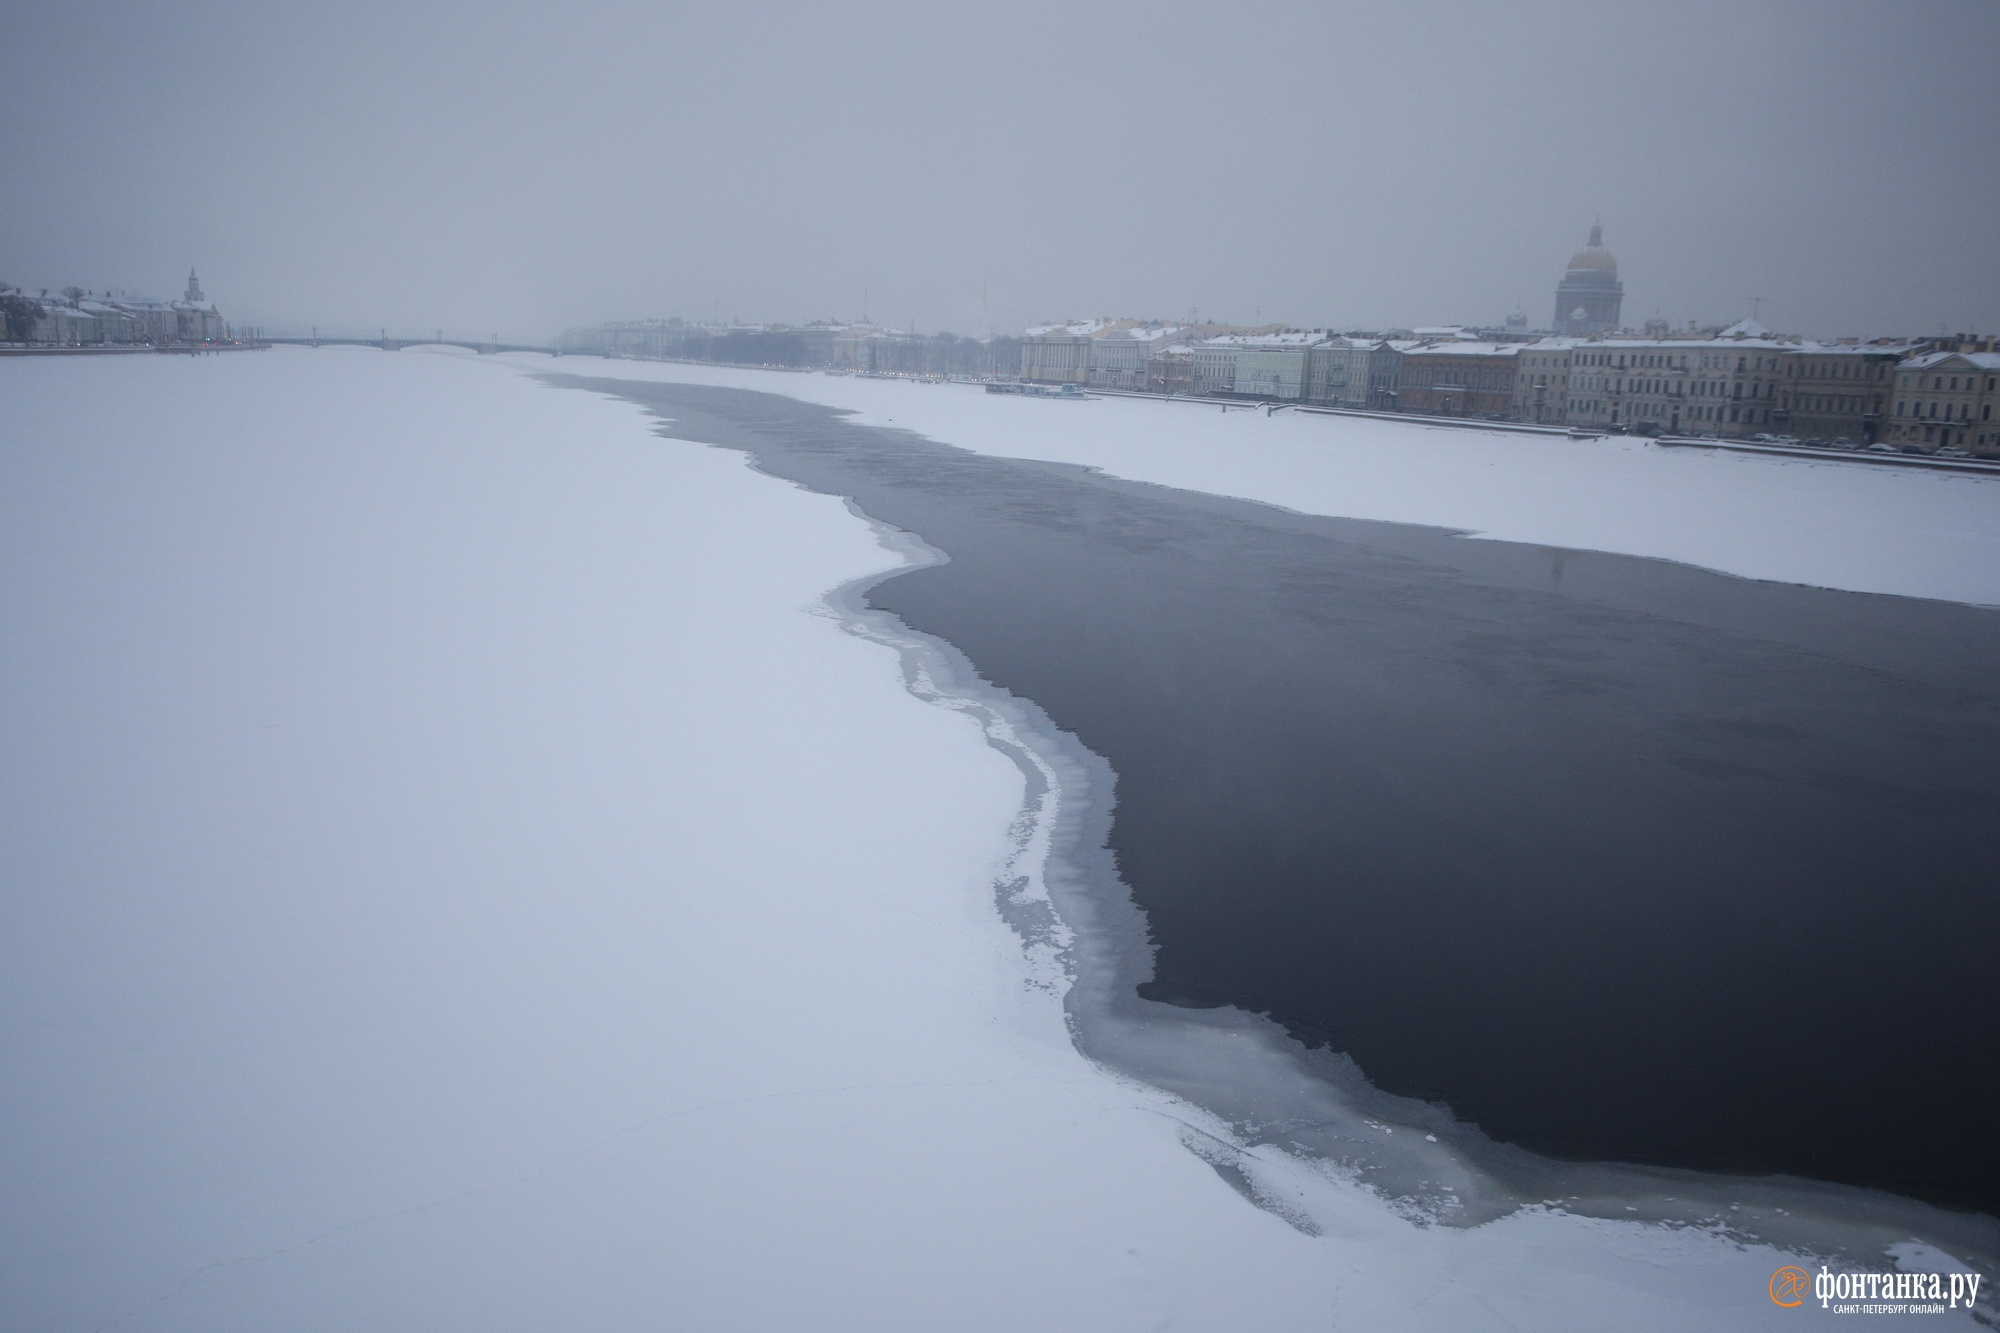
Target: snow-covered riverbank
1813	521
461	877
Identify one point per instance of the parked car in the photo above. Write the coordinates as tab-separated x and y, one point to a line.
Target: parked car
1883	449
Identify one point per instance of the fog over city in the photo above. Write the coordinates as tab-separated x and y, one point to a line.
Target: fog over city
519	169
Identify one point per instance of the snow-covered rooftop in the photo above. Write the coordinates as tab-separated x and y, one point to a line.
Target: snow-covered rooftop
1454	348
1717	343
1746	328
1266	341
1983	360
1076	328
1142	332
1854	349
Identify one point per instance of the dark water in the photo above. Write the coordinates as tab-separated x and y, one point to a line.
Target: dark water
1620	859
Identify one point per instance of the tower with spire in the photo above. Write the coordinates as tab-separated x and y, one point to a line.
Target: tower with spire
194	296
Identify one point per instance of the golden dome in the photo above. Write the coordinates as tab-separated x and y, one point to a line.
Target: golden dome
1594	258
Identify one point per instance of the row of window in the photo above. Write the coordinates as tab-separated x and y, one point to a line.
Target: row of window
1838	370
1716	412
1964	411
1665	361
1937	382
1677	389
1834	404
1446	379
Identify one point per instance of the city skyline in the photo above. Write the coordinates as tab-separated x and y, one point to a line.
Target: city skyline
519	170
1598	265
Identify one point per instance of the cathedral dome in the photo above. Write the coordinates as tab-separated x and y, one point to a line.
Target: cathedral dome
1594	258
1589	296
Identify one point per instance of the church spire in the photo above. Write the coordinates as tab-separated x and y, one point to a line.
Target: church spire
194	296
1597	233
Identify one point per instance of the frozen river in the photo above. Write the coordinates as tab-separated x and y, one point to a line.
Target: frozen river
463	873
1479	814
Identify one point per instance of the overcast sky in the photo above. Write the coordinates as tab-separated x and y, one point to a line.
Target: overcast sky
522	168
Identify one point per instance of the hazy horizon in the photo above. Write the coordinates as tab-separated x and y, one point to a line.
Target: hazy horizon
513	169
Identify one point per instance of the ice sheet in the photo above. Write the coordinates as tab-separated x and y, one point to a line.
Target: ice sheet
461	876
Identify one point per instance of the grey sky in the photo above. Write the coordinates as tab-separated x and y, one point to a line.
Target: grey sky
521	168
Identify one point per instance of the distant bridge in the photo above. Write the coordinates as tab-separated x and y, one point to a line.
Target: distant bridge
388	344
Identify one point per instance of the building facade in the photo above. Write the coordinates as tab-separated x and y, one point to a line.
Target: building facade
1273	365
1385	374
1838	392
1215	365
158	322
1541	381
639	337
198	321
1119	355
1340	370
1059	353
1171	370
1946	400
78	319
1460	379
1726	386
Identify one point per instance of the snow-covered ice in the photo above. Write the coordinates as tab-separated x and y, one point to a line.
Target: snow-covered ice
1832	523
459	874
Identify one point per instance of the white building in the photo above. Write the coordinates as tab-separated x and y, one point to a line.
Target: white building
1060	353
114	325
1726	386
1275	365
157	322
1265	365
1541	381
1119	355
1946	401
65	325
76	318
197	321
1351	372
1215	365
